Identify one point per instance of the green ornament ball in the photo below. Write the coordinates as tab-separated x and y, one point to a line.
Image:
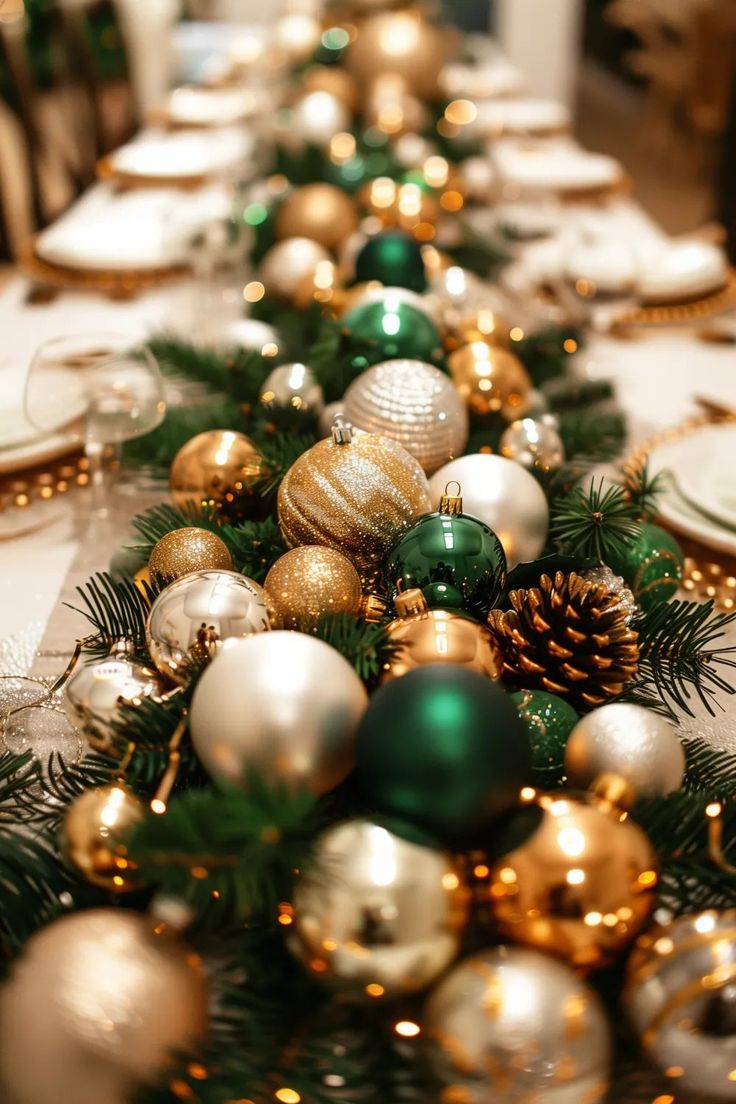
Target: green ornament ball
456	550
443	596
443	748
548	720
652	565
388	330
395	259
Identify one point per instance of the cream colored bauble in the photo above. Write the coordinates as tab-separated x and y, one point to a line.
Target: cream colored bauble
288	263
316	118
400	42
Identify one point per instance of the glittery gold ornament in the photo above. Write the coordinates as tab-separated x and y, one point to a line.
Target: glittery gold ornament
356	493
427	635
415	404
93	835
681	998
335	80
185	550
288	263
509	1024
324	284
98	1003
218	468
399	42
321	212
406	206
390	105
581	886
308	582
376	915
491	380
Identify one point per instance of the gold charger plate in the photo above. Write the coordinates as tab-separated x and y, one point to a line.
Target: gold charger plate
107	171
124	284
683	312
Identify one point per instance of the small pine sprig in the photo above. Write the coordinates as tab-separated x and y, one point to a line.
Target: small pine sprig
642	489
594	522
279	452
157	449
115	608
236	372
366	645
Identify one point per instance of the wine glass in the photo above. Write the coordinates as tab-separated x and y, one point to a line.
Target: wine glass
96	389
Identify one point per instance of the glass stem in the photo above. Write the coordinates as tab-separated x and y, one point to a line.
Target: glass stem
93	450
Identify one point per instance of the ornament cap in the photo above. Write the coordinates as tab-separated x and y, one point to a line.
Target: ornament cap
615	790
342	431
451	504
123	647
410	602
372	607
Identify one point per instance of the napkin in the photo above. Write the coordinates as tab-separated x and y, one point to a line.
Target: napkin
555	165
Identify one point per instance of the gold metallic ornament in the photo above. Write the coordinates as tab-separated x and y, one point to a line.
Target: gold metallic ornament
680	996
321	212
407	206
491	380
288	263
98	1003
533	443
142	579
403	43
308	582
185	550
582	886
293	386
298	34
427	635
323	285
93	835
376	915
335	80
509	1024
356	493
190	620
415	404
390	106
218	468
481	324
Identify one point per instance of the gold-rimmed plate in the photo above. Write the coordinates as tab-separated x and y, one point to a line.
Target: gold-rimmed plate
118	284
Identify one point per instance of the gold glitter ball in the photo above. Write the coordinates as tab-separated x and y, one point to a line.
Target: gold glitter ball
490	379
308	582
185	550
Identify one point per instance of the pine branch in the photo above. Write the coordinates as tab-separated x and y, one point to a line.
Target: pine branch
566	392
480	254
591	435
157	449
544	354
642	489
115	608
327	358
365	645
44	805
236	372
32	880
19	774
279	452
594	522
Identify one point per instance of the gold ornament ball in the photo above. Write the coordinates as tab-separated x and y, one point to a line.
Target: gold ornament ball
353	492
292	385
415	404
335	80
324	285
298	34
406	206
390	106
490	380
308	582
581	887
679	995
533	443
427	635
376	915
218	468
400	42
185	550
510	1024
288	263
96	1006
321	212
93	835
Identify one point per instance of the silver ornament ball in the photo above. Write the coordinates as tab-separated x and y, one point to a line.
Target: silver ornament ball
504	496
288	263
513	1025
614	584
533	443
376	915
98	689
295	386
680	995
628	740
190	620
284	704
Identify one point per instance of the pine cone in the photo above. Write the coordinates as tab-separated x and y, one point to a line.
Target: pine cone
569	637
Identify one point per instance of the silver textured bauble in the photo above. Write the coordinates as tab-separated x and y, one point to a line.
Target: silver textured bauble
628	740
513	1025
190	620
96	1005
415	404
614	584
96	691
504	496
680	995
288	263
295	386
283	704
533	443
376	915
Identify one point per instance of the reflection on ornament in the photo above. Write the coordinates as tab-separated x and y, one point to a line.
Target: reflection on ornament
376	292
322	285
289	263
376	915
491	380
415	404
97	1003
394	259
283	704
320	212
549	720
403	43
536	445
298	34
218	468
185	550
292	386
192	618
97	690
630	741
308	582
338	82
582	886
316	118
391	108
652	564
93	833
389	330
505	497
681	1000
500	1004
407	206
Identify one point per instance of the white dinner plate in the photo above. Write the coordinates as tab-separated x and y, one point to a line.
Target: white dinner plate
554	165
163	155
683	270
210	106
520	116
39	451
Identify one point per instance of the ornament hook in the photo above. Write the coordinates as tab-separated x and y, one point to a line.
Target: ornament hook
342	431
451	504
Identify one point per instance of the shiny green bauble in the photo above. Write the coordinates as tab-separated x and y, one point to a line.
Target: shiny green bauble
443	748
443	596
652	565
549	720
393	258
389	330
455	549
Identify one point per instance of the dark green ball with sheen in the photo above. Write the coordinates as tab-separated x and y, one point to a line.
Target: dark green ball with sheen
652	565
395	259
443	748
390	329
443	596
548	720
455	549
